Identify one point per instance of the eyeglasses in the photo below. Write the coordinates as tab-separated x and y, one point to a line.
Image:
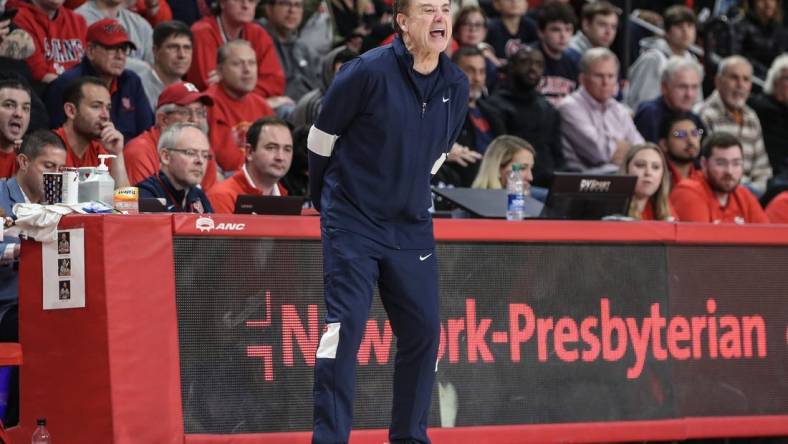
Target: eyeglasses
119	49
289	5
192	153
189	112
683	134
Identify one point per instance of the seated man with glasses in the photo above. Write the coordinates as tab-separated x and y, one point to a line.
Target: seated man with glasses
679	138
717	196
184	154
105	57
138	28
179	102
172	57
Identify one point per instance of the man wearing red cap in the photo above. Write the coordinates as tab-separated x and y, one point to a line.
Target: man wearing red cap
179	102
105	57
136	26
59	36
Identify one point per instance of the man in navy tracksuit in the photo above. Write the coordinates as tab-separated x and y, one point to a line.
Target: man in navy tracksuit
387	122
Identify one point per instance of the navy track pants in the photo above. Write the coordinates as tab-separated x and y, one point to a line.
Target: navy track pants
408	284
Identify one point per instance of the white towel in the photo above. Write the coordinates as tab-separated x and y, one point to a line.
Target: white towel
40	221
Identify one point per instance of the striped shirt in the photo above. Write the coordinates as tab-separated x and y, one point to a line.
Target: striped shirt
748	130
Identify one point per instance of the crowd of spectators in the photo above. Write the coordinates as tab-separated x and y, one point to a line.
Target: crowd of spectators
553	82
204	100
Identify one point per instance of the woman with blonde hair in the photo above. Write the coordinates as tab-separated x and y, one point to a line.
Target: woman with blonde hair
501	154
650	201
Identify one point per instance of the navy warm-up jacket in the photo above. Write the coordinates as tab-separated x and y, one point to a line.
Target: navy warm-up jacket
376	143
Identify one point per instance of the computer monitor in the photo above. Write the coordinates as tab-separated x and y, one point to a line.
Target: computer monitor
588	196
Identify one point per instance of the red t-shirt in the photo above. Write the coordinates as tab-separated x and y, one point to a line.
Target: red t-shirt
7	164
208	38
777	210
648	212
694	201
229	119
223	195
89	159
141	155
675	175
60	42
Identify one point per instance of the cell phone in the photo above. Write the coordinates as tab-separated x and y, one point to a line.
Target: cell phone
8	14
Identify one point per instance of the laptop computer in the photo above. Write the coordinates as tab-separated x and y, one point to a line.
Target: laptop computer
489	204
274	205
588	196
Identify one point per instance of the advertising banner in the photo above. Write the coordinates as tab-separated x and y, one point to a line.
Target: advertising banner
531	333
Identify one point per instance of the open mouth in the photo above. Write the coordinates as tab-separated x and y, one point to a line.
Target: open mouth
15	126
438	33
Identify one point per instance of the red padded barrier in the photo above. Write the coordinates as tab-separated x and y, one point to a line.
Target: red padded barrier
110	372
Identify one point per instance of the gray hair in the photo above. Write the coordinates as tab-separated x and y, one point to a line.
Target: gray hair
166	109
594	55
171	108
727	62
677	64
775	71
169	137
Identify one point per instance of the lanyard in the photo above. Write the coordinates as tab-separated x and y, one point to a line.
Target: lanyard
178	206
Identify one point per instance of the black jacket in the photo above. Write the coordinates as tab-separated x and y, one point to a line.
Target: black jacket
759	42
774	124
530	116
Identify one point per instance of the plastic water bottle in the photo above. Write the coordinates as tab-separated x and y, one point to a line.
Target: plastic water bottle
41	434
515	188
